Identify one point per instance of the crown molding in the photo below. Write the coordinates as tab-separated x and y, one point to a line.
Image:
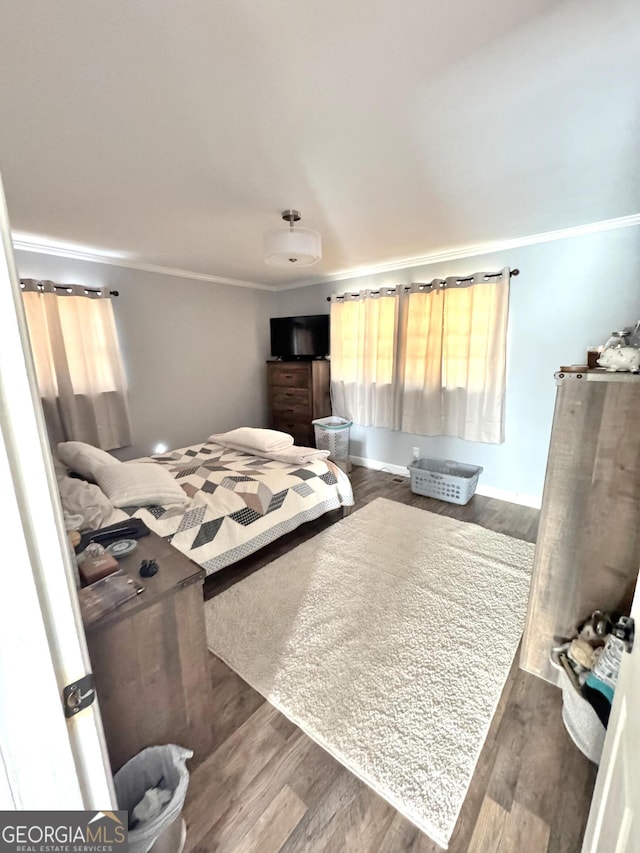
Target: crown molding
454	254
62	251
470	251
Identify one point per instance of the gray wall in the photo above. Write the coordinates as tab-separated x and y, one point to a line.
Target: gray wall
570	295
193	351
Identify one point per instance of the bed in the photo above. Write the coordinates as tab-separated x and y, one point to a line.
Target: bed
238	502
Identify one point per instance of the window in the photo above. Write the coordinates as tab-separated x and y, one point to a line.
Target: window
78	366
435	366
363	337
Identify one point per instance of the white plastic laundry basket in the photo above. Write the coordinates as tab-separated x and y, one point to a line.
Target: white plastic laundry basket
332	434
454	482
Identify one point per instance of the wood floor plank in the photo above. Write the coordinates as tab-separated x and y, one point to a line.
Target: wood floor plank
537	758
313	777
530	782
512	736
317	824
301	765
235	701
489	829
543	753
223	778
502	831
400	836
568	817
285	727
359	825
230	830
274	825
524	831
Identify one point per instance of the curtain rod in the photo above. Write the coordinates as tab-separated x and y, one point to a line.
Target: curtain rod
408	287
69	288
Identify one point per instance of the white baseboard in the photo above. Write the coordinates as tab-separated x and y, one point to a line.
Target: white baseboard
513	497
387	467
488	491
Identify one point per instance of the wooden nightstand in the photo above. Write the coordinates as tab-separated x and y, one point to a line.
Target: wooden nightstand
150	659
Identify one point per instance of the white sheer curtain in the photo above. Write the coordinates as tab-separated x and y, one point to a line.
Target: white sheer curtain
474	359
78	366
454	370
427	359
420	362
363	359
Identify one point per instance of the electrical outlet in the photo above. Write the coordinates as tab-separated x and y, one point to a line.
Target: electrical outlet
416	452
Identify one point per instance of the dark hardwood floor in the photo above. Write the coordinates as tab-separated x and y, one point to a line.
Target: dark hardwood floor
267	787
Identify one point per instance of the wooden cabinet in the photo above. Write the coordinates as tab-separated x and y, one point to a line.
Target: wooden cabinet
588	548
150	660
299	392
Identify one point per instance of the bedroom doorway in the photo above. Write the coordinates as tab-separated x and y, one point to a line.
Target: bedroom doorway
46	760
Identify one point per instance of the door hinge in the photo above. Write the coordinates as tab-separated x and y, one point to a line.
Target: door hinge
78	695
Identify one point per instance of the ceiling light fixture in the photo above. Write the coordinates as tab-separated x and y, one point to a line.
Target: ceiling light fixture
292	246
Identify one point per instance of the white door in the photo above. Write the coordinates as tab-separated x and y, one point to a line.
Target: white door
46	762
614	820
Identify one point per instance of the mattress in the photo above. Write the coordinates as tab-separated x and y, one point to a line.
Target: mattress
239	502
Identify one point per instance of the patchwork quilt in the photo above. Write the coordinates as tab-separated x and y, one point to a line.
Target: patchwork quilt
239	502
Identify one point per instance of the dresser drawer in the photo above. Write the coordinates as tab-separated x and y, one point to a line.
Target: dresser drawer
291	419
292	412
290	375
289	399
298	393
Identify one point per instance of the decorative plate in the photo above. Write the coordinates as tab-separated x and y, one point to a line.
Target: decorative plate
122	548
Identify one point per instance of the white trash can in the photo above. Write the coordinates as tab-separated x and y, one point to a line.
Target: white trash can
332	434
163	768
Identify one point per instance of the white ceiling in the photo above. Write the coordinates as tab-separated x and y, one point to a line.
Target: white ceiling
172	132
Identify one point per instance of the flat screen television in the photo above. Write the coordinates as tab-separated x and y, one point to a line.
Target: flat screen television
300	337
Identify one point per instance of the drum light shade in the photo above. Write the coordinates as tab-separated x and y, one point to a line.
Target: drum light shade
288	247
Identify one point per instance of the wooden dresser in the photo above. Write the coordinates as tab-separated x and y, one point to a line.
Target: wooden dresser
588	548
298	393
150	660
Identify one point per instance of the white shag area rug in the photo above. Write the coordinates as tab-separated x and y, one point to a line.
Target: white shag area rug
387	638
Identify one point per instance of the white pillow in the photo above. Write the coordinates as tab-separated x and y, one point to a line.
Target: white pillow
84	458
139	484
253	438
